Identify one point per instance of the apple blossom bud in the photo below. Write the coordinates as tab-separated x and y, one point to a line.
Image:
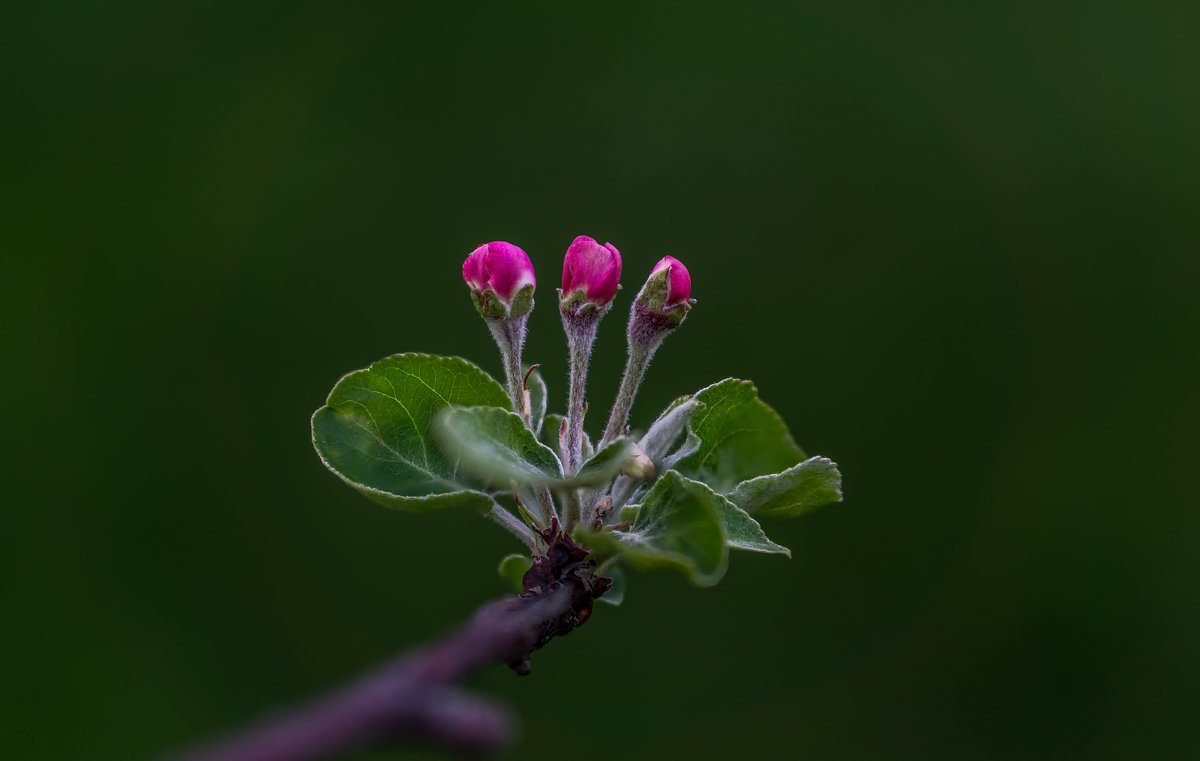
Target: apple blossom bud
660	307
592	271
501	279
663	302
591	277
679	281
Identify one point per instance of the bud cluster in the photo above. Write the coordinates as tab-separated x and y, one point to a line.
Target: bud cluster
502	281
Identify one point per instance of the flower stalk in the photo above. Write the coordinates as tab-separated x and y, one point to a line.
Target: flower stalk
515	525
509	335
660	307
502	280
591	275
579	342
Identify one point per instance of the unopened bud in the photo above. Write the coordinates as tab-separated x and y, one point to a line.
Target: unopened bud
678	280
501	280
663	302
591	273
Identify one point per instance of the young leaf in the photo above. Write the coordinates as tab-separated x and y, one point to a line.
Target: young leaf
551	427
740	437
374	431
678	525
685	450
672	527
604	465
795	491
512	569
656	442
667	429
537	400
740	530
743	532
494	445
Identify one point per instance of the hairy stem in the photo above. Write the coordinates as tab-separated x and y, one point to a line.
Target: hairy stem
635	369
581	335
413	698
510	338
572	509
547	502
515	525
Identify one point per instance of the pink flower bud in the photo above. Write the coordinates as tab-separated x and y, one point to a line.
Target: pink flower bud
593	269
679	282
499	267
663	303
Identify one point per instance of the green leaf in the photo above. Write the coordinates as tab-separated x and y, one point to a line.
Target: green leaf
667	429
795	491
550	430
678	526
743	532
656	443
537	400
494	445
374	431
683	524
512	569
740	437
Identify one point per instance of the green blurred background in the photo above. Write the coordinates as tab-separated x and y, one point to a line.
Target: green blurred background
955	247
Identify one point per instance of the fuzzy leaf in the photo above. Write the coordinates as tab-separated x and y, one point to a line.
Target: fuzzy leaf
795	491
656	442
374	431
494	445
604	465
512	569
678	526
667	429
740	437
743	532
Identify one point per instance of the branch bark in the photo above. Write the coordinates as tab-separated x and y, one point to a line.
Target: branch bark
413	699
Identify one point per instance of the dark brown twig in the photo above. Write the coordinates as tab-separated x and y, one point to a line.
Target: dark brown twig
413	699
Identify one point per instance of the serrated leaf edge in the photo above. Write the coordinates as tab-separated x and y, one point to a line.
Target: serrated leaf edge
818	458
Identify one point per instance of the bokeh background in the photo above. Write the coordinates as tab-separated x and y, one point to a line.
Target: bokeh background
955	245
